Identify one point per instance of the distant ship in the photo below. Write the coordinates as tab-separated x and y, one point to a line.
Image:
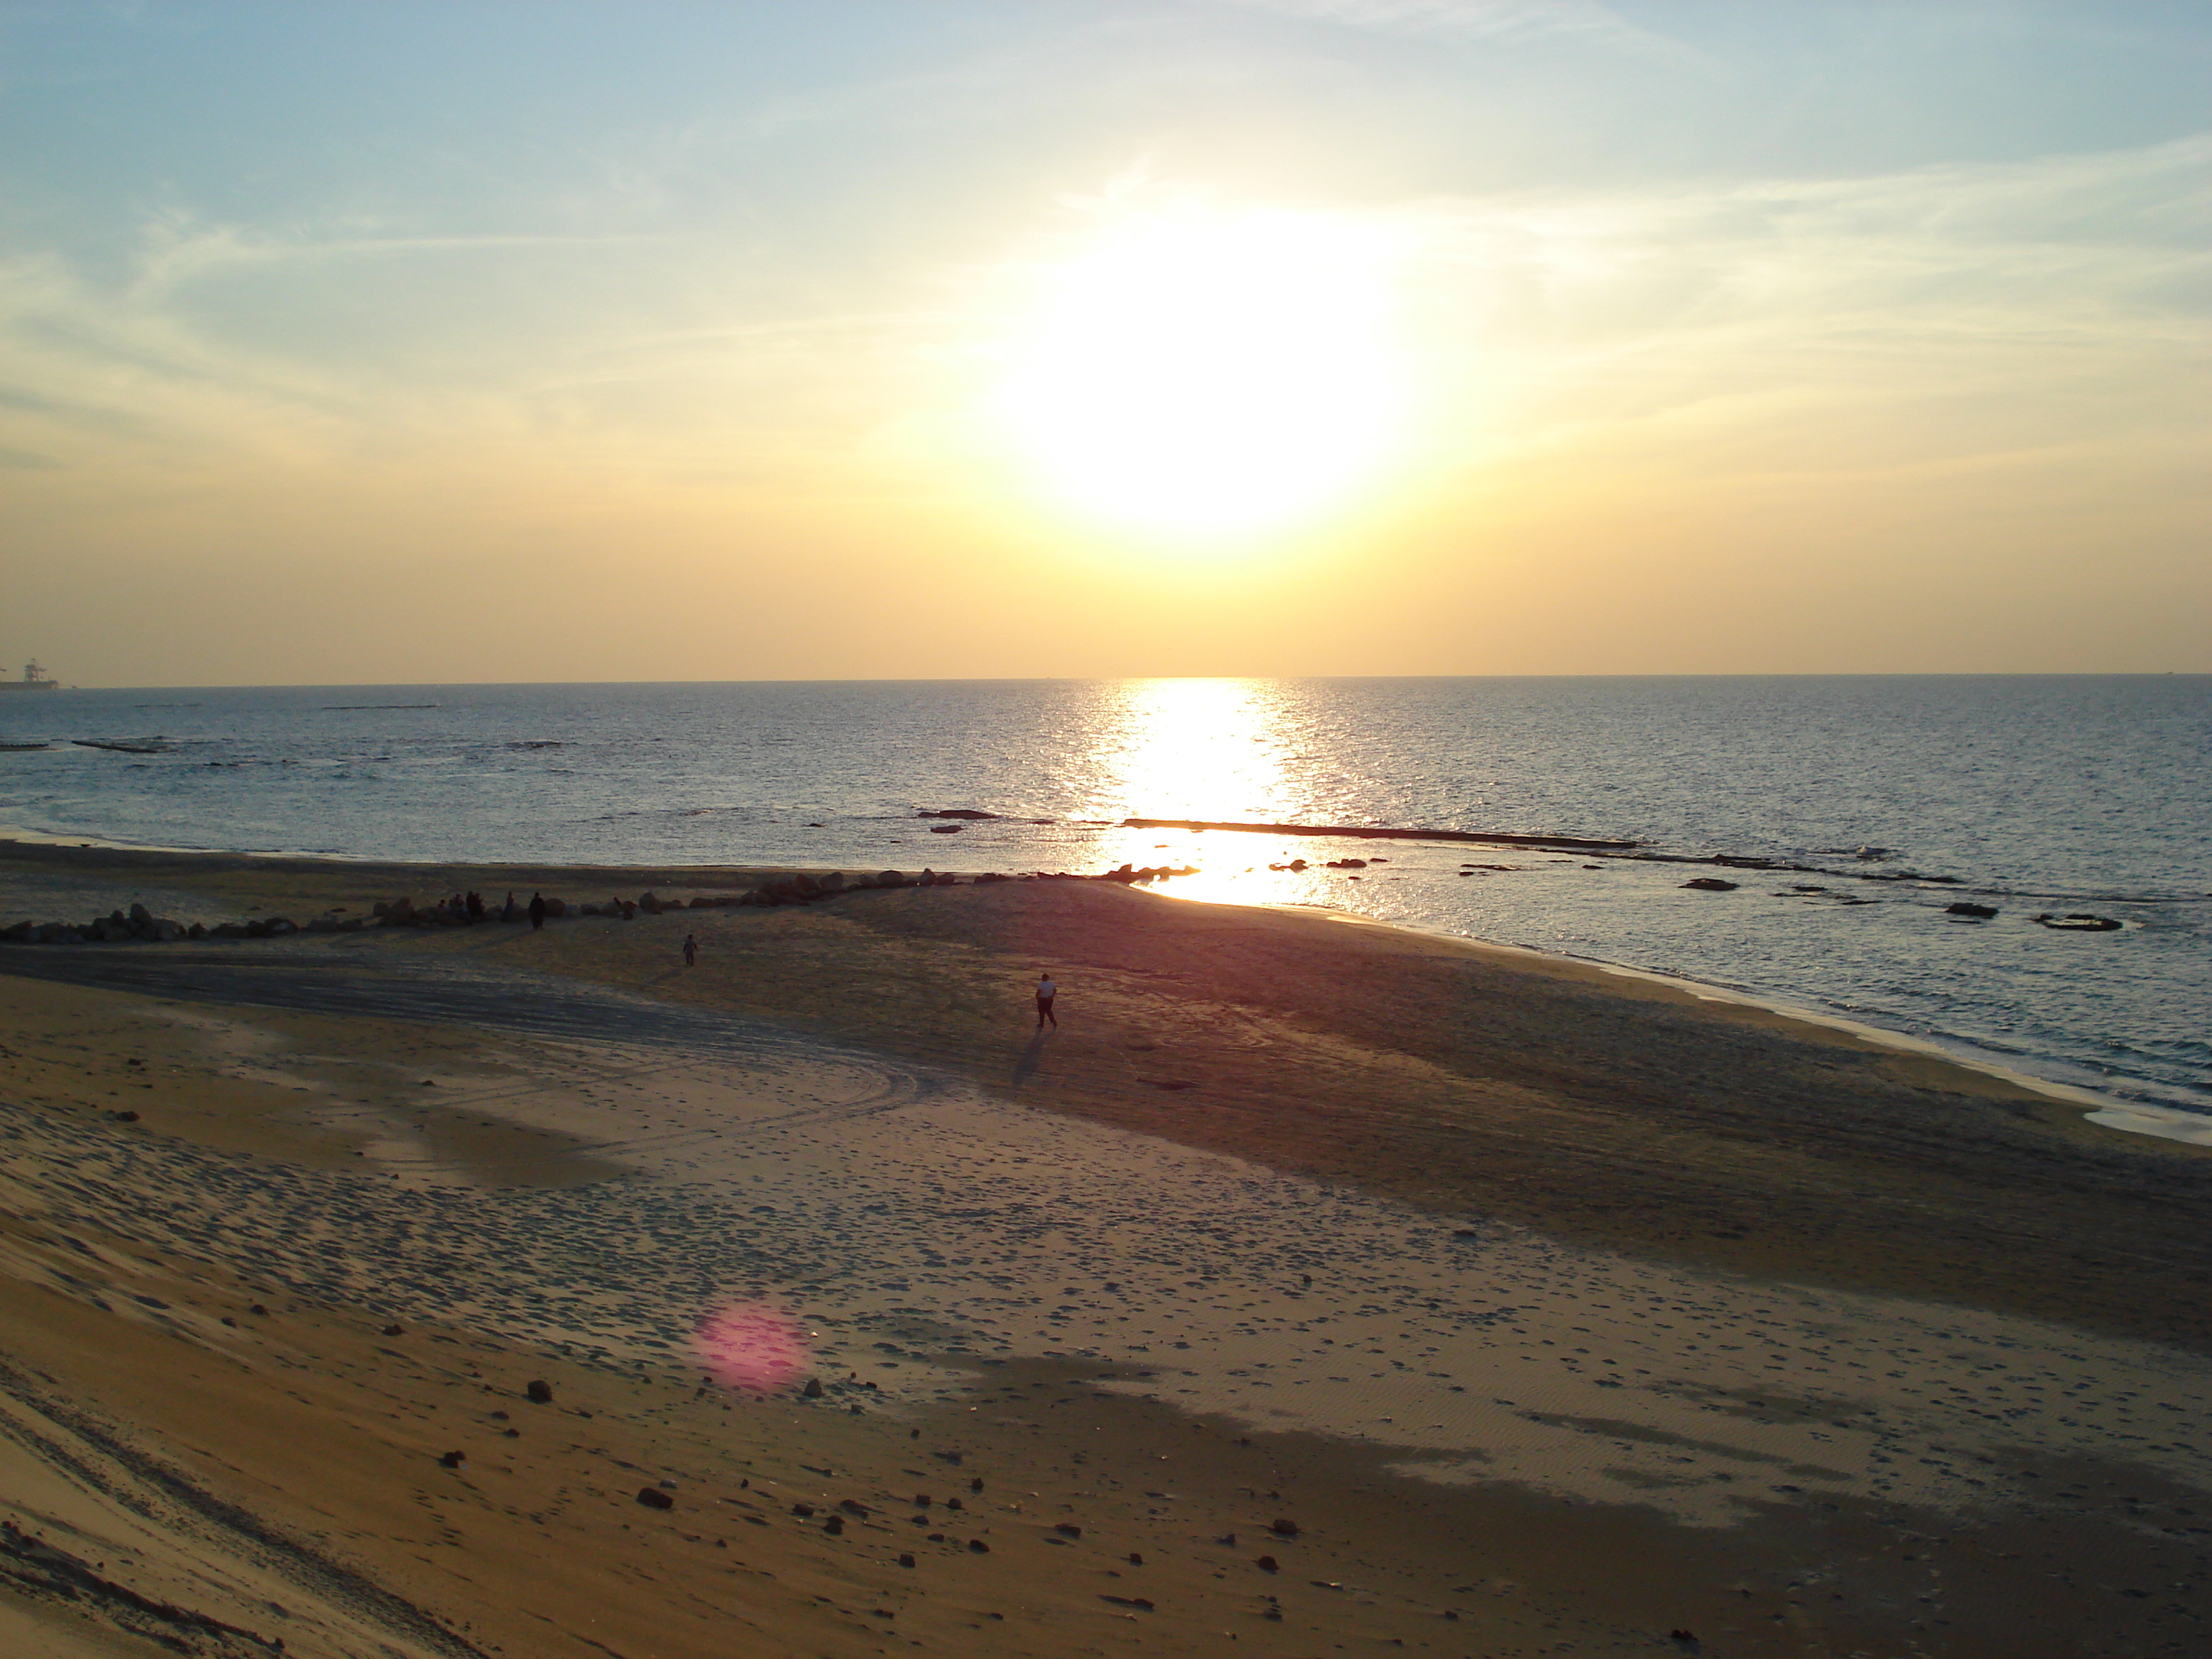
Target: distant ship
35	679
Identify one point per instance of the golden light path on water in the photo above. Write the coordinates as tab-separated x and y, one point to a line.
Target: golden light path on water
1216	750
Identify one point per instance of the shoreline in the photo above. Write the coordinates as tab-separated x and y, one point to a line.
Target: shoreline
2149	1117
2112	1109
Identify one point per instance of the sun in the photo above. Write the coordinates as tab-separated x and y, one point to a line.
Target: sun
1212	373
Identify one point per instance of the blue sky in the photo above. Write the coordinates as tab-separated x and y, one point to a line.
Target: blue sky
1733	322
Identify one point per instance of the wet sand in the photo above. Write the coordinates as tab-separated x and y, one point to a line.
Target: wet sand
1424	1258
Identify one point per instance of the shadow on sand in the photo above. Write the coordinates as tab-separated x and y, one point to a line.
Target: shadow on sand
1031	1055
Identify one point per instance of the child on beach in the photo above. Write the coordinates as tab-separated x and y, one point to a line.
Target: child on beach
1046	991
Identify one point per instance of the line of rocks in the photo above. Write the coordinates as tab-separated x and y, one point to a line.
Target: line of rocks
802	889
140	925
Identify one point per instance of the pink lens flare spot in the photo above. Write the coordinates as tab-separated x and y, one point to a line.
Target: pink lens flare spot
751	1346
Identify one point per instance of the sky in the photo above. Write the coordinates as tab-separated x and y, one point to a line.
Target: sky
463	341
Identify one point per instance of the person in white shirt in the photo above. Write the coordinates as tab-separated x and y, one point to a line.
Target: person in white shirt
1046	991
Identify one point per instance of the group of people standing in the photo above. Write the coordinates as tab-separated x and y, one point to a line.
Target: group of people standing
471	908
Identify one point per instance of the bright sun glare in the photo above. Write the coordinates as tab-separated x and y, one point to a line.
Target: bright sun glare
1213	375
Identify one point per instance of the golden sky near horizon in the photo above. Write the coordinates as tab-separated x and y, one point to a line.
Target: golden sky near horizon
1218	337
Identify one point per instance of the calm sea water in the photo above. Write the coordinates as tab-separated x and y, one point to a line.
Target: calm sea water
2059	793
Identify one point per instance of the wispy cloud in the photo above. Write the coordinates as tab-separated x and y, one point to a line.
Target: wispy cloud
1821	323
179	251
1502	20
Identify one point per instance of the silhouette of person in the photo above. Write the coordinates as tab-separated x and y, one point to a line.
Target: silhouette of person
691	952
537	911
1045	992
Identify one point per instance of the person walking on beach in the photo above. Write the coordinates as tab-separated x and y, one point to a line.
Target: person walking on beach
691	952
1046	991
537	911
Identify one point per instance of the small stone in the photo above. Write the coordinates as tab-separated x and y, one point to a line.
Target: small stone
1269	1563
813	1389
259	1311
1282	1527
654	1499
802	1511
1068	1529
394	1330
976	1485
1135	1560
977	1547
453	1460
835	1526
538	1394
906	1560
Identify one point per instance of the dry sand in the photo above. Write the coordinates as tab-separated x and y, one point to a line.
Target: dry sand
1558	1312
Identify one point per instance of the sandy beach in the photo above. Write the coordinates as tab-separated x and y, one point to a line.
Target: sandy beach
1543	1309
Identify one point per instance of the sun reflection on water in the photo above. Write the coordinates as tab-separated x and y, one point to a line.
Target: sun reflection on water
1199	749
1217	749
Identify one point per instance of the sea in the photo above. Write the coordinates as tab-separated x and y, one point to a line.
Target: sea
1894	796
